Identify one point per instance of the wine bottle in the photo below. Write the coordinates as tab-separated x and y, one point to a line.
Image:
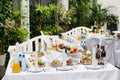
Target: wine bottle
103	54
98	54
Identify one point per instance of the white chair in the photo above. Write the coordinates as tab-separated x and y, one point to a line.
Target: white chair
117	53
34	44
109	47
92	42
76	31
50	40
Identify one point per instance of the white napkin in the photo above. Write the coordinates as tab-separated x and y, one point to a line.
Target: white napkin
54	55
71	39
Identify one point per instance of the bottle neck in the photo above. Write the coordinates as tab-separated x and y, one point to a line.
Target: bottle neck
98	46
103	48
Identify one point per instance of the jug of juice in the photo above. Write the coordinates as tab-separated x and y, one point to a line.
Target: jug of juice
16	67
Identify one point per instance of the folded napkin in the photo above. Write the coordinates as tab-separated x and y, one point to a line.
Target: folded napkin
71	39
54	55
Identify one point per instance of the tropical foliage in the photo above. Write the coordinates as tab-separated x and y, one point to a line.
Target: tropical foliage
87	12
81	11
5	10
50	19
10	21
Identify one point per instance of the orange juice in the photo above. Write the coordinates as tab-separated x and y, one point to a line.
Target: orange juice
79	38
16	67
86	48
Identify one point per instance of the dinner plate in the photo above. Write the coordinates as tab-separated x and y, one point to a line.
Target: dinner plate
94	67
77	55
65	68
35	70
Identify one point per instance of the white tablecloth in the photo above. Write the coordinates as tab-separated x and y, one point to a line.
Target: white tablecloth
79	72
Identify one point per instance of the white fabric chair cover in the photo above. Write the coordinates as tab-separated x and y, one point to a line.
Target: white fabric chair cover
109	47
117	53
92	42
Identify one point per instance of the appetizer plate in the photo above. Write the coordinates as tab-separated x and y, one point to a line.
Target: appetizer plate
94	67
64	68
35	70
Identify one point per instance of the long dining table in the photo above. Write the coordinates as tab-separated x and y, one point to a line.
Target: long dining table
76	72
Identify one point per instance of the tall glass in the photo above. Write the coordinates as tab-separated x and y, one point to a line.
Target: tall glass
79	38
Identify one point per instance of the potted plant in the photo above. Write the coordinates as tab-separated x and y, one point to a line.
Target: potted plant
100	16
10	34
2	54
5	11
11	30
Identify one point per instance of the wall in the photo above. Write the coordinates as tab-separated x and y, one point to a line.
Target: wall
115	10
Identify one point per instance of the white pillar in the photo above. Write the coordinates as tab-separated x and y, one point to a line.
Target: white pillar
25	15
118	26
64	3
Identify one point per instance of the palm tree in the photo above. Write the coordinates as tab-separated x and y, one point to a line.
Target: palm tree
82	11
100	15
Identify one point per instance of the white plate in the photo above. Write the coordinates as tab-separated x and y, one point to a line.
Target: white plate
65	68
35	70
94	67
76	55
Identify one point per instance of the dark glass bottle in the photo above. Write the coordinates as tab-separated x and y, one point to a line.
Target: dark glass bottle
98	52
103	55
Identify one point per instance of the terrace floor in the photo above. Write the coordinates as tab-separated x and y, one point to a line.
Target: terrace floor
2	70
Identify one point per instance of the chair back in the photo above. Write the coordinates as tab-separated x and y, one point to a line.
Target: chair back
76	31
34	44
109	48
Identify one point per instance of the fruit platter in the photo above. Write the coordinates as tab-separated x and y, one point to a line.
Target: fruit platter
86	59
56	46
56	63
41	63
60	46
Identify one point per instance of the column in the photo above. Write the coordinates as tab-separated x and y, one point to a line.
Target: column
64	3
25	15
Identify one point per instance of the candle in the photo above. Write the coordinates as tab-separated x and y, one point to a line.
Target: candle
94	61
36	60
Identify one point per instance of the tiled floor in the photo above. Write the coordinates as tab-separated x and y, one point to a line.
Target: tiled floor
2	71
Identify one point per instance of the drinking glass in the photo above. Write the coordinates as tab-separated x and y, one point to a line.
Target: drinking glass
79	38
